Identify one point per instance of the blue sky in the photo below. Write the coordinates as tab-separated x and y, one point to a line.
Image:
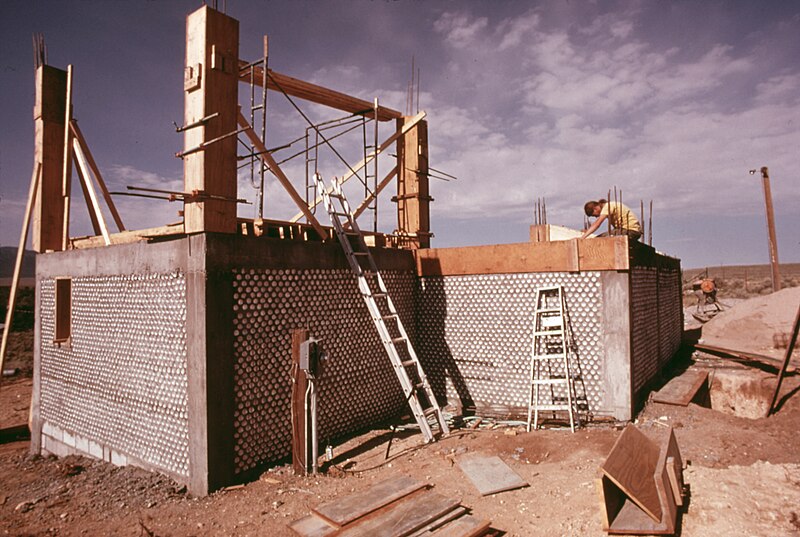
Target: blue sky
668	101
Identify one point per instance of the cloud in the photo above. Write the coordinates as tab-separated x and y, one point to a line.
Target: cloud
459	29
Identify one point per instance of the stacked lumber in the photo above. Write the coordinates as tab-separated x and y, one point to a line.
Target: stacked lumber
397	507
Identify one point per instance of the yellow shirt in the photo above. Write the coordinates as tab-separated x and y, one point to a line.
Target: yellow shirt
620	216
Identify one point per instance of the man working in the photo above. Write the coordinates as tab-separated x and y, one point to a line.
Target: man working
623	221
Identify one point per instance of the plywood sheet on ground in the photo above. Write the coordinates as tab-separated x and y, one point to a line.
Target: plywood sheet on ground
312	526
345	510
682	389
402	517
490	474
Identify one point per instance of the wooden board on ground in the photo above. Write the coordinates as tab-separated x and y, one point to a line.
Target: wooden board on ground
682	389
312	526
631	465
345	510
437	523
401	518
466	526
489	474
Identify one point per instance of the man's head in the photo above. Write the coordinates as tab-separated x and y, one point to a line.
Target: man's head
593	208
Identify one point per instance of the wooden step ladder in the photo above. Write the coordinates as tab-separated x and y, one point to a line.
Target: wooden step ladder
550	353
395	340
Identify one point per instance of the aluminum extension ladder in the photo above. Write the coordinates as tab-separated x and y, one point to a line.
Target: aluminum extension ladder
550	366
382	310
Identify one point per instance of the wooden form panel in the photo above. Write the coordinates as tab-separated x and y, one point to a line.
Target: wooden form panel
609	253
49	114
211	86
413	196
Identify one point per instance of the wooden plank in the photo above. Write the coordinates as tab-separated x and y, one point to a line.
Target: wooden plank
87	198
407	126
311	526
314	93
631	465
86	178
76	131
366	201
490	474
342	511
402	517
128	236
23	239
465	526
299	386
66	178
413	193
439	522
266	157
682	389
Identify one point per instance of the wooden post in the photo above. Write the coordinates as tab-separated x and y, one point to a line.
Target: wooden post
413	199
23	238
48	116
785	365
773	242
299	386
211	81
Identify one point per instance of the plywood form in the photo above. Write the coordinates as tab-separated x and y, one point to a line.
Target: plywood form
490	474
609	253
48	115
413	196
211	87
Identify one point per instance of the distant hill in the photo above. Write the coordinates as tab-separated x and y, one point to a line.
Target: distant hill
8	256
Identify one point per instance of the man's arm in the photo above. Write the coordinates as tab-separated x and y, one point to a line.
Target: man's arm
600	219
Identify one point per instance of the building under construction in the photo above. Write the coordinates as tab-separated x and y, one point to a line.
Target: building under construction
171	348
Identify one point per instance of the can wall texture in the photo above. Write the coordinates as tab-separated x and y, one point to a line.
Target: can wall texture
358	386
118	389
656	320
475	334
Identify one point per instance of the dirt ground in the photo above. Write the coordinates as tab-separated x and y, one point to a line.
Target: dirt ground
743	474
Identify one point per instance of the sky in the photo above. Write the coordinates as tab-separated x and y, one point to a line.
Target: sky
669	102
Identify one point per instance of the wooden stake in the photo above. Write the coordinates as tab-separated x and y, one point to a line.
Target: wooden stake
773	242
299	385
87	197
265	156
76	131
23	238
66	185
786	358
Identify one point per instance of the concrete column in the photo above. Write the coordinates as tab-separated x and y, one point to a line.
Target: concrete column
209	335
617	372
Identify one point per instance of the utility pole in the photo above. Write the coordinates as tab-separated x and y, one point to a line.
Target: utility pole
773	243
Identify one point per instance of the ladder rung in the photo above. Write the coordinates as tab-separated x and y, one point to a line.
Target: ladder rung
548	357
408	363
549	333
379	295
551	381
548	310
398	339
390	316
551	407
360	253
430	411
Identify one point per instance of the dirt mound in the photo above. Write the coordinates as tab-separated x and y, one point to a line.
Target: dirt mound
759	325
